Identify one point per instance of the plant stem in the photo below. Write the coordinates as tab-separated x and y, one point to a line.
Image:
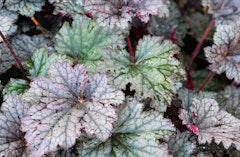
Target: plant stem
209	78
198	47
18	62
129	45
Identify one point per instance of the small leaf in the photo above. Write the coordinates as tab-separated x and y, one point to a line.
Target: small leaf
67	105
180	145
85	40
40	62
135	134
212	123
224	11
15	87
12	141
7	21
152	73
25	7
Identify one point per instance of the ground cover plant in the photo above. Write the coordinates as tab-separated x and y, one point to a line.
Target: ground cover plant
120	78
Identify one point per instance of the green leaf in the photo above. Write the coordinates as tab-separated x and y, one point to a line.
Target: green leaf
135	134
152	73
16	87
83	40
40	62
25	7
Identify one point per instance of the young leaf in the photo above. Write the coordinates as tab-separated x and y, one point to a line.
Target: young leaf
210	123
67	105
135	134
151	73
7	21
180	146
40	62
223	11
71	7
224	56
15	87
25	7
12	141
85	40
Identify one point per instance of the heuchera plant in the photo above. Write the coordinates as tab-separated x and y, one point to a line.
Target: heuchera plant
105	79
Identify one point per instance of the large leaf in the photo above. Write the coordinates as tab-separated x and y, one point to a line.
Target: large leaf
12	141
72	7
224	55
180	145
210	123
224	11
25	7
135	134
152	73
23	46
120	13
8	18
84	40
67	105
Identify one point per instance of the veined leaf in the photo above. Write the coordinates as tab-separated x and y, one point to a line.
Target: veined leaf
152	73
15	87
68	104
135	134
71	7
25	7
12	141
23	46
84	40
210	123
120	13
7	21
180	145
224	11
40	62
224	56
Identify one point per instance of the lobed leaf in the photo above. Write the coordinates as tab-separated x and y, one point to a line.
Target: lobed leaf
210	123
180	145
24	7
84	40
224	55
67	105
152	72
224	11
15	87
12	141
71	7
135	134
7	21
120	13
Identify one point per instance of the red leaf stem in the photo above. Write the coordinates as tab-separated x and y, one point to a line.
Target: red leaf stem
208	79
129	45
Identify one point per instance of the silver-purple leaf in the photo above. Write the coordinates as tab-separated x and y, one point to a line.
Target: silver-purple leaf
209	123
67	105
224	11
224	55
12	141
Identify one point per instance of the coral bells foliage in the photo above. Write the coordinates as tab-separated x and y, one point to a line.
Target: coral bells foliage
120	12
68	104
